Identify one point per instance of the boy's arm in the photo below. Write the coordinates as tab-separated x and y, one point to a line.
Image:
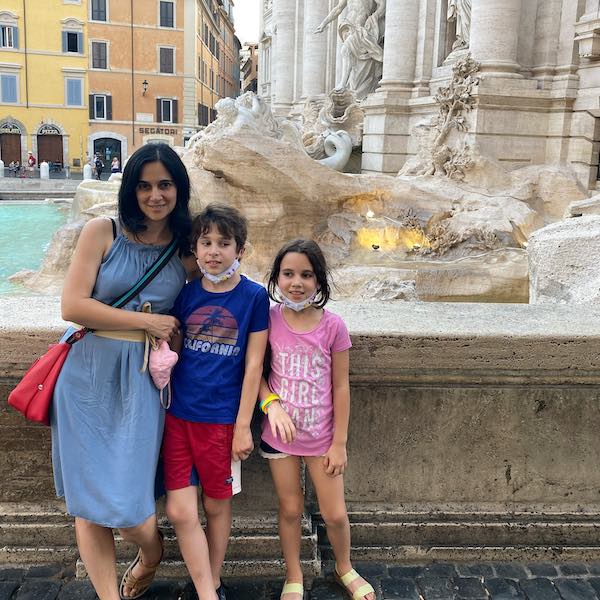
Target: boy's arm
335	458
176	342
242	437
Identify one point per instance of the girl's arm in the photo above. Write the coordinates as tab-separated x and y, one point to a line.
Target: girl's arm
242	436
78	306
335	458
280	422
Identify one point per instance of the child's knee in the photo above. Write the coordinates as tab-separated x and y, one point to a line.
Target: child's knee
291	508
179	513
335	518
215	507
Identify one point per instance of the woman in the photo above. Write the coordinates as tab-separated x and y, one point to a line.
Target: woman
107	421
115	166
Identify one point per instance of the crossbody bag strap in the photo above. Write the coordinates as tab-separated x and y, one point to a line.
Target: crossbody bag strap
156	267
149	275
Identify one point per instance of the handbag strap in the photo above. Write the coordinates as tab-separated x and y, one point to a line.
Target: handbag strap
154	269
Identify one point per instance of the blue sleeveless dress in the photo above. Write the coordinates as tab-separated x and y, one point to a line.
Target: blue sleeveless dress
107	421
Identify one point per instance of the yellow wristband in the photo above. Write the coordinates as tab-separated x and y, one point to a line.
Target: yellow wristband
264	404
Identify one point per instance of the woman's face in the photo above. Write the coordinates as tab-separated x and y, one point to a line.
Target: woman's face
156	192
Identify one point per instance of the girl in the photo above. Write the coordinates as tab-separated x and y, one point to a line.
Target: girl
307	403
107	422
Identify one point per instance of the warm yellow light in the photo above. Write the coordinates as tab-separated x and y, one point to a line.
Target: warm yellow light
370	214
392	238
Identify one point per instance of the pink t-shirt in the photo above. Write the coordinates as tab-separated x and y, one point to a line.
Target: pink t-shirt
301	375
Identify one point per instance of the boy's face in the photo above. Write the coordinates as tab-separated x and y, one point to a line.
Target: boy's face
216	252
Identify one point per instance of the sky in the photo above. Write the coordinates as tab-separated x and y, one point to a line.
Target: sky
245	14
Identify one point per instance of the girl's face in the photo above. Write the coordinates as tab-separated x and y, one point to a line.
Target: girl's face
297	280
215	252
156	192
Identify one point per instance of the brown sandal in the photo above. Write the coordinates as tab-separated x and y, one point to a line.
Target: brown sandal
144	582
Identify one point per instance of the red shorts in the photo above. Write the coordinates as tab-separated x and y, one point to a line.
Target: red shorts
198	454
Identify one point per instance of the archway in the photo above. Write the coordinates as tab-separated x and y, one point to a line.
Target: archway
10	141
108	148
50	145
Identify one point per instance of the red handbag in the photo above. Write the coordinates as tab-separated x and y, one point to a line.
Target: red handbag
33	394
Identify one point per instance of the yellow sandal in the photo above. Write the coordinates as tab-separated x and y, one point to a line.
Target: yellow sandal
142	583
347	579
292	588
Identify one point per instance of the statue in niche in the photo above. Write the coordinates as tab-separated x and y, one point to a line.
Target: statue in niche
460	12
361	30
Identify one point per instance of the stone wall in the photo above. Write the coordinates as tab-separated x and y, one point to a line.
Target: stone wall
473	435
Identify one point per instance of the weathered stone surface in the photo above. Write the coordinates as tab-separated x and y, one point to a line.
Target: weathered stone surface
563	262
583	208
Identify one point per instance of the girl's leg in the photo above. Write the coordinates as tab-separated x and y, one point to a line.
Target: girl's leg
146	537
97	550
286	477
218	528
182	511
330	495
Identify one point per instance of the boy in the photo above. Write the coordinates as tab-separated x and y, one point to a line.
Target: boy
225	319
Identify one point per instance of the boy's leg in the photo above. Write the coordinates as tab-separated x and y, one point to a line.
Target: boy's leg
330	495
218	528
286	478
182	511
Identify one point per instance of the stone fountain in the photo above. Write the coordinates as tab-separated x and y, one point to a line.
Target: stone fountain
453	225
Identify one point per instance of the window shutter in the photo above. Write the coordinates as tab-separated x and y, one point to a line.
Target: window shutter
174	116
65	41
158	111
92	104
109	108
15	37
80	43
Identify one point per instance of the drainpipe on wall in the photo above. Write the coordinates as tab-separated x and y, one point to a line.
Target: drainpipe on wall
132	83
26	55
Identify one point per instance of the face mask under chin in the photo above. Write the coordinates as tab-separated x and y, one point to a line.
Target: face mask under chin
223	276
297	306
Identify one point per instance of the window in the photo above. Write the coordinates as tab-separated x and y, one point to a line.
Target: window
212	79
203	115
98	10
74	92
166	110
99	52
167	63
100	107
9	36
72	41
8	88
167	14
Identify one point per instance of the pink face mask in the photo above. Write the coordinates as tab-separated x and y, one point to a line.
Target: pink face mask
160	364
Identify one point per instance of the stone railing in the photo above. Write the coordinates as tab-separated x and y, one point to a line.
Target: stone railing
474	434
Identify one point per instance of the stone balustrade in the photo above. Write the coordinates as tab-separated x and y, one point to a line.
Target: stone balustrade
474	434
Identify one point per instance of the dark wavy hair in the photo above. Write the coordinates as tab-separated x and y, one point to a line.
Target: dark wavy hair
317	260
229	221
130	215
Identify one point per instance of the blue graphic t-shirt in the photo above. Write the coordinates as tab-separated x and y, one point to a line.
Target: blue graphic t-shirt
207	380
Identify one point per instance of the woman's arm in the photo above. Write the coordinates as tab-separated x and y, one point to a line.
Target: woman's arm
336	457
242	437
78	306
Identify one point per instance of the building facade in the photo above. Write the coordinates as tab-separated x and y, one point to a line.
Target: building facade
82	78
537	101
155	71
43	82
249	67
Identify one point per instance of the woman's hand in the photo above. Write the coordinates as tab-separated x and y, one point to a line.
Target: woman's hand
335	460
161	326
280	422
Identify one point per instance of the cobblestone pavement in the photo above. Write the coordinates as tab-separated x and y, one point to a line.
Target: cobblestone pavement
437	581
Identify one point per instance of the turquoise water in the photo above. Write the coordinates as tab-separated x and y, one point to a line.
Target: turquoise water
25	231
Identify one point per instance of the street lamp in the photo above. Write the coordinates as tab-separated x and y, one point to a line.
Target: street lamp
144	87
